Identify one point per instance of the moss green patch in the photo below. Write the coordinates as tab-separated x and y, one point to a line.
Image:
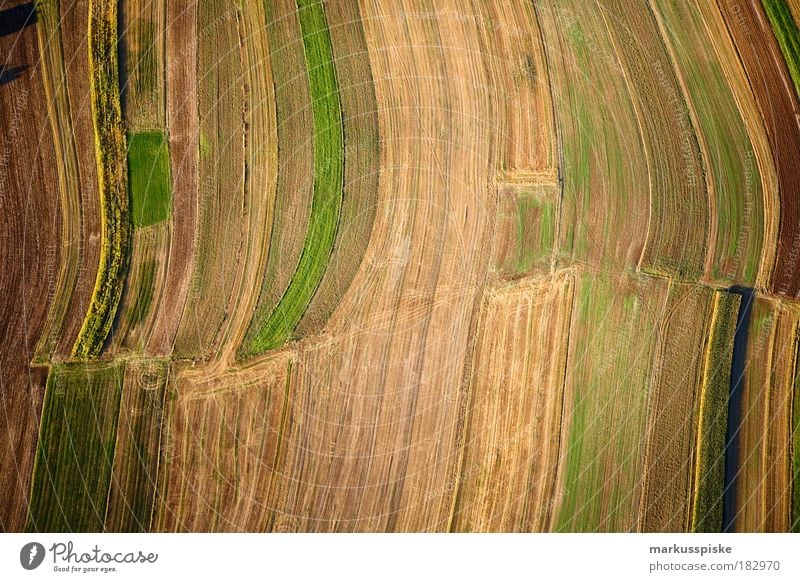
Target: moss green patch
271	330
149	177
75	455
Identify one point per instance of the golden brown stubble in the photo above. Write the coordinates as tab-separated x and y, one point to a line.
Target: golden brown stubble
764	494
361	162
372	444
507	479
673	408
517	67
261	175
220	448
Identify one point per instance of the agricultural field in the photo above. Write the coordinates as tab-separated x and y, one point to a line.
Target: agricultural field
405	266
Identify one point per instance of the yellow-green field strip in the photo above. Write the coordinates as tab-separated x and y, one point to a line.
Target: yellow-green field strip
328	186
112	172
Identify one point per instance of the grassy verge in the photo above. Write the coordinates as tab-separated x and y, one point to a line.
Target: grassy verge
75	455
328	185
788	35
713	420
112	176
149	177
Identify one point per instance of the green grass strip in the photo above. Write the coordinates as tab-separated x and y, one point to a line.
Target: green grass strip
75	455
328	182
149	177
112	178
788	35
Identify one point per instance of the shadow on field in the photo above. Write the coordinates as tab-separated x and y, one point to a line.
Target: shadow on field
738	368
15	19
10	73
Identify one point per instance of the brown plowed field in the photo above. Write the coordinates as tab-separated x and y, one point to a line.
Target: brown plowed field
780	110
29	254
182	123
74	19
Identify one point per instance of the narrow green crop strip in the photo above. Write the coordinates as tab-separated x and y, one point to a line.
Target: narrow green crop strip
788	35
328	184
112	177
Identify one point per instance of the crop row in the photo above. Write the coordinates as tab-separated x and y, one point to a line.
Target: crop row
112	176
328	182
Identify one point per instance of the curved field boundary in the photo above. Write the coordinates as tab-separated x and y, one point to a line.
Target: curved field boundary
787	34
182	126
388	380
220	227
734	180
72	19
260	180
597	182
780	111
678	221
295	143
328	183
54	78
112	175
362	151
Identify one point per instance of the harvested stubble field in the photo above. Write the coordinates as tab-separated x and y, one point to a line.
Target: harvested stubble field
408	265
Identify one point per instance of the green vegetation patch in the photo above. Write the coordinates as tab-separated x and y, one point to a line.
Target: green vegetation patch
77	437
278	326
713	422
149	177
113	181
788	35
